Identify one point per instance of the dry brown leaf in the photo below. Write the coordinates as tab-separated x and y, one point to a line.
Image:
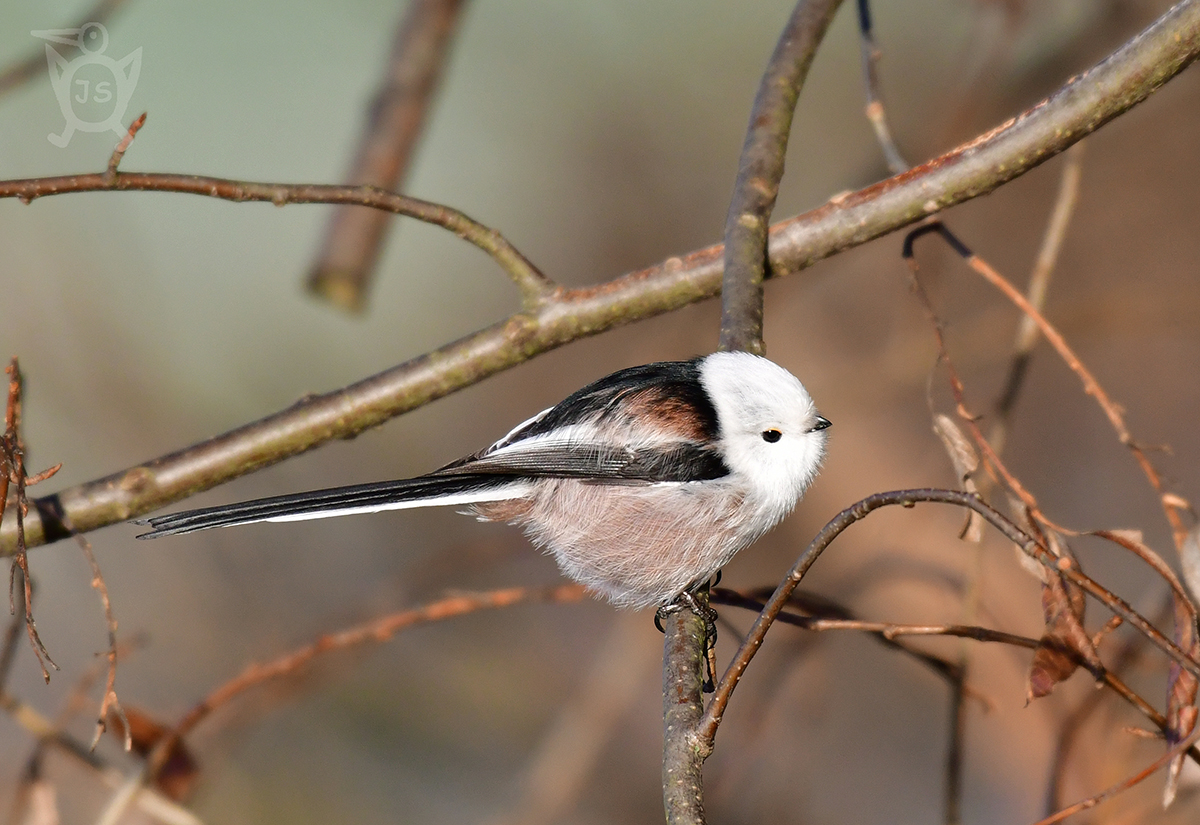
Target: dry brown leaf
1189	561
177	777
966	462
1065	642
1181	695
1030	565
958	446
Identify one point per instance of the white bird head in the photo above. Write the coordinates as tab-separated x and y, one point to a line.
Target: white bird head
771	432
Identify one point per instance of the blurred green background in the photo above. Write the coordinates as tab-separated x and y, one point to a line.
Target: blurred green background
599	138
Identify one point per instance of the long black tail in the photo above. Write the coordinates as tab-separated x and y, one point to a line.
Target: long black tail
423	491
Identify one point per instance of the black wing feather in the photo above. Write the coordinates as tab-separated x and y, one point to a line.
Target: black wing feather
335	498
676	380
680	461
666	382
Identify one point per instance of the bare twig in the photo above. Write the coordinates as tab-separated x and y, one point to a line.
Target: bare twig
1171	503
12	471
907	498
123	145
825	620
534	286
22	72
354	236
1124	785
891	630
1083	105
109	703
8	653
760	169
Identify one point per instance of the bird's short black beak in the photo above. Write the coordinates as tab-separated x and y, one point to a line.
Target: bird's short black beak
822	423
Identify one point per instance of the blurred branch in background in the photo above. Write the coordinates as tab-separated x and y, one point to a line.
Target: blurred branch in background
1035	293
568	752
1084	104
35	793
354	236
167	764
876	114
20	73
374	631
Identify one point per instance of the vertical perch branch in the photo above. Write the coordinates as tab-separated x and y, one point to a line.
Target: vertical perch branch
759	171
683	708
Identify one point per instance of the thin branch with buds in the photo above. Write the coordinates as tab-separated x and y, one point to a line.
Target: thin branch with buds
123	145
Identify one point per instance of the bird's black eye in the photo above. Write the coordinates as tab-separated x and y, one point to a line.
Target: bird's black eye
771	436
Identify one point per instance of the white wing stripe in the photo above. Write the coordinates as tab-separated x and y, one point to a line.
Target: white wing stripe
495	494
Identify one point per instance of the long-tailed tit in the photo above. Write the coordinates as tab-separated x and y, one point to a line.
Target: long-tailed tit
642	484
